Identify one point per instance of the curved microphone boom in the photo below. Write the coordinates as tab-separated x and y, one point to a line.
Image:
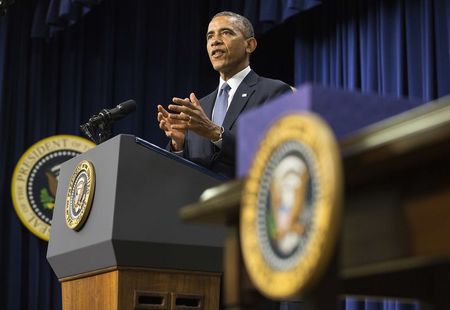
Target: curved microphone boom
98	128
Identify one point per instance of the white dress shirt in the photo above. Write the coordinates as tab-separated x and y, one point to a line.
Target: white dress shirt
234	83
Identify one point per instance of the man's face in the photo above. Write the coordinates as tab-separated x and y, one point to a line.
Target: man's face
227	47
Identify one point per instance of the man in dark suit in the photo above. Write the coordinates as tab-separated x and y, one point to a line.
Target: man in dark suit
204	130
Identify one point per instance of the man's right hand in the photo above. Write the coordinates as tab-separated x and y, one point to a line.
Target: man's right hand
166	123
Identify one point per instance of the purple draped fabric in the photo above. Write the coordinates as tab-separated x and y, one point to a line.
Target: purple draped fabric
52	16
55	15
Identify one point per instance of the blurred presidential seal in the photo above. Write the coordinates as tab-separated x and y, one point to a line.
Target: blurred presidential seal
291	206
80	195
35	178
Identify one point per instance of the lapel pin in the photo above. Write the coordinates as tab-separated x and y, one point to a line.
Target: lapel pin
244	95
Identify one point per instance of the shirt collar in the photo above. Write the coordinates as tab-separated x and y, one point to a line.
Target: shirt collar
236	79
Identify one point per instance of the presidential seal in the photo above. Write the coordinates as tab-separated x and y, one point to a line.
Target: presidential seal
35	179
291	206
80	195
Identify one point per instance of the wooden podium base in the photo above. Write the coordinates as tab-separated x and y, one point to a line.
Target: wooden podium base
135	288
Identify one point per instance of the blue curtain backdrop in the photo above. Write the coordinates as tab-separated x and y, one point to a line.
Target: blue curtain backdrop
367	303
151	52
400	48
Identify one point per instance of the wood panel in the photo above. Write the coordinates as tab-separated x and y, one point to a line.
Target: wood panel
136	288
93	292
429	220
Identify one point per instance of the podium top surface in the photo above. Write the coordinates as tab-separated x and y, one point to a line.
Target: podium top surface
179	159
346	112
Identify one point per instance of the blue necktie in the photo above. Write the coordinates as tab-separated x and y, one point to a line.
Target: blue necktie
221	105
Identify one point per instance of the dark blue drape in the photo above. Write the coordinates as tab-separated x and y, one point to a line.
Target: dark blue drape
26	279
366	303
399	48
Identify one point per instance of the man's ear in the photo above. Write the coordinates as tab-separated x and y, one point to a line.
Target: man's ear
251	45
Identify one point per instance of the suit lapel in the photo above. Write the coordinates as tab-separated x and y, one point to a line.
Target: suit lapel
240	99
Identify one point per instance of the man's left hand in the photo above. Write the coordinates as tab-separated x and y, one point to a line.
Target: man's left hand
194	117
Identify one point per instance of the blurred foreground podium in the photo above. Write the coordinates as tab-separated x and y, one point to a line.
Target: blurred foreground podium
132	251
395	225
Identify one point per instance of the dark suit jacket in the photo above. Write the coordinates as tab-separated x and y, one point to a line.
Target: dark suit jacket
252	92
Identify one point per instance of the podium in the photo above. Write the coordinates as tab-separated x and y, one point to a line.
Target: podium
394	237
133	252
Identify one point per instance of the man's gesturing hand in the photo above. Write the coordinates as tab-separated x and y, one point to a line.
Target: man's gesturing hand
167	124
192	116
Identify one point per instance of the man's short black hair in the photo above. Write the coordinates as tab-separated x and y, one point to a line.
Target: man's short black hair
245	25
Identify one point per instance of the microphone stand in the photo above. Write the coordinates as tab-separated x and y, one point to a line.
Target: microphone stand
98	128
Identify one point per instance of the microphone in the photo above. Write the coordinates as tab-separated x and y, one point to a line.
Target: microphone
98	128
114	114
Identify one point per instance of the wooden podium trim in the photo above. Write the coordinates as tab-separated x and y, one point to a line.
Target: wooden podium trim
114	268
402	133
88	274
